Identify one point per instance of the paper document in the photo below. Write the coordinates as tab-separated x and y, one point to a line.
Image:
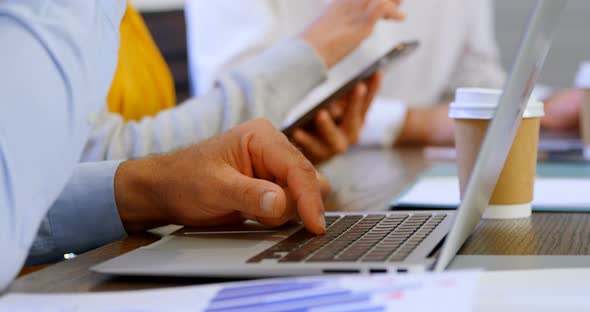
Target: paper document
179	299
535	290
451	291
551	194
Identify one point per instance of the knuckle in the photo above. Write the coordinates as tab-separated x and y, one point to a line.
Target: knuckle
341	146
246	191
380	5
265	123
287	145
259	125
338	149
306	167
383	8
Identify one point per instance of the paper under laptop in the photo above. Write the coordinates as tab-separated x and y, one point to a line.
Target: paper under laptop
452	291
551	194
519	291
534	290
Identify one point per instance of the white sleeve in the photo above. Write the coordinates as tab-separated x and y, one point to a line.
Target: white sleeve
222	33
384	121
268	86
480	65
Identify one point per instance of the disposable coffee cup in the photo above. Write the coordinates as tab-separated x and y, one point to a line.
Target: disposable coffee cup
583	82
472	112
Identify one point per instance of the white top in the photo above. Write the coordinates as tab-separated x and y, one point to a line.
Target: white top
264	87
583	77
457	37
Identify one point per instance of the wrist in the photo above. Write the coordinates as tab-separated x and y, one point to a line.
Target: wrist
417	128
320	46
136	195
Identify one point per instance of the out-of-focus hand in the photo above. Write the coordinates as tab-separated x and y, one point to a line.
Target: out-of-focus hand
428	126
442	131
345	24
339	126
562	110
249	172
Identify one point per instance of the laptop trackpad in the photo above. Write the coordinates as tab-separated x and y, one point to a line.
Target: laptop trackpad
251	236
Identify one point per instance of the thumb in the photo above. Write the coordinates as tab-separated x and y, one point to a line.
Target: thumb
255	197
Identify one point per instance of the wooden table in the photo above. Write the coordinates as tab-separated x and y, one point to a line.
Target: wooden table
364	179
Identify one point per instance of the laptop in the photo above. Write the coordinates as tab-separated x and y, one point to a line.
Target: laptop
360	242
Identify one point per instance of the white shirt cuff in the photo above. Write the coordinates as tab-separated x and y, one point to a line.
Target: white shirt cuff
384	121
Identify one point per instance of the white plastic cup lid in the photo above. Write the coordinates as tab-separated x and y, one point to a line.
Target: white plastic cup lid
478	103
583	77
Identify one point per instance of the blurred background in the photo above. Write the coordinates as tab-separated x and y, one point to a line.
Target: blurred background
571	44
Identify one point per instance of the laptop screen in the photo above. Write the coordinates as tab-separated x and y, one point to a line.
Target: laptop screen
502	130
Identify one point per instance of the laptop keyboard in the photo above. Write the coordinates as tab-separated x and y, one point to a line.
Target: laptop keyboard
370	238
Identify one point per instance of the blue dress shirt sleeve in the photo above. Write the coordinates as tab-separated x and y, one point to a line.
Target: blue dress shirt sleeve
84	217
57	61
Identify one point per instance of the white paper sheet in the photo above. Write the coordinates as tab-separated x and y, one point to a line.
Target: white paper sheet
550	193
522	291
452	291
535	290
173	299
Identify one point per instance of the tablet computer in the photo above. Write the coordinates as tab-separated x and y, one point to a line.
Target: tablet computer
396	53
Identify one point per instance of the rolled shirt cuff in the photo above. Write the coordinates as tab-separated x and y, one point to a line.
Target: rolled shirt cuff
86	216
384	122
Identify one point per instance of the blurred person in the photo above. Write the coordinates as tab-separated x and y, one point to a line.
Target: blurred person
562	110
458	49
143	119
54	78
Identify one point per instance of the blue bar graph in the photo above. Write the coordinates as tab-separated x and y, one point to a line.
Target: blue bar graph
295	296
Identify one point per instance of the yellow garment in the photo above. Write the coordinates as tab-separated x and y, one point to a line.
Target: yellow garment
143	84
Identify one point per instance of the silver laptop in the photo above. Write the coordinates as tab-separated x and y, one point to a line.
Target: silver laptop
358	242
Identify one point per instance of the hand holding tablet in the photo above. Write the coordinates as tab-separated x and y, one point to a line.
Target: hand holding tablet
338	126
329	120
327	93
